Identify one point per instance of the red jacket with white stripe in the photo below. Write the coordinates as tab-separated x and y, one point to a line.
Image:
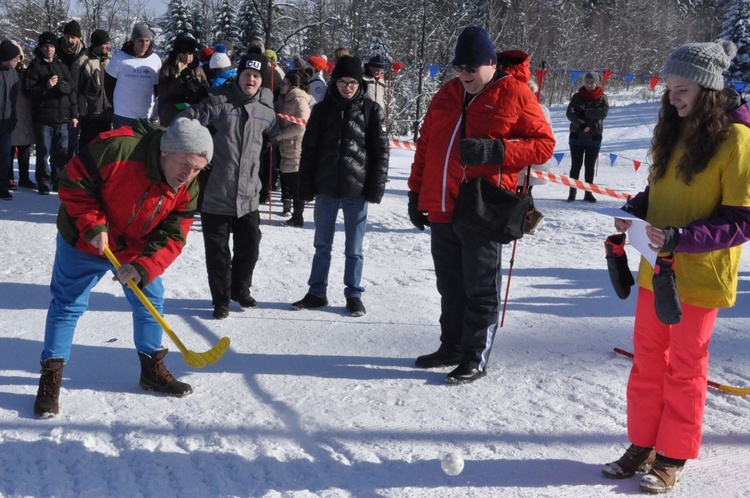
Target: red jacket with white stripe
506	109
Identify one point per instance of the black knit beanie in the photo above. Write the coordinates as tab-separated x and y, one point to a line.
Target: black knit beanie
99	37
73	29
8	51
348	67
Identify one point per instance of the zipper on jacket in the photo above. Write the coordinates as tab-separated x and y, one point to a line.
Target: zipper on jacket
460	126
154	212
138	206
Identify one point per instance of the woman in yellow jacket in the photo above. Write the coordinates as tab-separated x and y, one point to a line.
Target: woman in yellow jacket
698	206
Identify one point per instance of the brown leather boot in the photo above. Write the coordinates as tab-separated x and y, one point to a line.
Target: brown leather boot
47	403
662	477
156	377
636	459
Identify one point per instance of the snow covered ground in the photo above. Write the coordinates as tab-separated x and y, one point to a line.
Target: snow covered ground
317	403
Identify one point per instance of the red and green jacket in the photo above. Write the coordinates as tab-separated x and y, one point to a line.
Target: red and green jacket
116	185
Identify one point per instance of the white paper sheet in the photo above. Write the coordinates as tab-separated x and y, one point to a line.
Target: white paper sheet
636	234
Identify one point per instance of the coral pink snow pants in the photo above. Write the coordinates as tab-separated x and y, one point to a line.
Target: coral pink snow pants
667	385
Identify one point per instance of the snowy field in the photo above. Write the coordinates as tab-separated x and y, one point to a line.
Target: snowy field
316	403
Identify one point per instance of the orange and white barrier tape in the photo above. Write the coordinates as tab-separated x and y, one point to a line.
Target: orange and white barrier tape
573	183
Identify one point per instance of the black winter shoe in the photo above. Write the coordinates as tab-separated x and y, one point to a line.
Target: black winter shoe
5	194
287	208
295	221
589	197
47	403
221	311
246	300
156	377
309	302
26	183
43	189
438	359
636	460
355	307
464	374
572	195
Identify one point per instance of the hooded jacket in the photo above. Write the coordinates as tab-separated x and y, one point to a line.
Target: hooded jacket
120	189
506	110
587	112
238	123
179	86
295	103
345	149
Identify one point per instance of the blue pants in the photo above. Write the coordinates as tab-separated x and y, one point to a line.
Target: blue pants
74	274
52	142
355	222
468	273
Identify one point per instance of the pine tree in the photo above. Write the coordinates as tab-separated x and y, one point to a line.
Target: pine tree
179	22
736	27
199	25
225	27
248	26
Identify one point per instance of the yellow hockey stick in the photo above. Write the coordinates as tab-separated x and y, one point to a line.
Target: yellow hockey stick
197	360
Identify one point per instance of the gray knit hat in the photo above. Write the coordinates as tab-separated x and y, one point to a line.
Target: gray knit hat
187	135
702	63
140	31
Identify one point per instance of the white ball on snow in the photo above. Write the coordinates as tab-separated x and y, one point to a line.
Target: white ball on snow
452	464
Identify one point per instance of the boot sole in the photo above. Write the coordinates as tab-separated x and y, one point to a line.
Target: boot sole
158	389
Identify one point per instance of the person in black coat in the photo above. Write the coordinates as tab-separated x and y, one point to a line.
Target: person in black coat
49	85
344	164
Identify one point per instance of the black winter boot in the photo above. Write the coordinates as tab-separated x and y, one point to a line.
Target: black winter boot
156	377
47	403
589	197
572	195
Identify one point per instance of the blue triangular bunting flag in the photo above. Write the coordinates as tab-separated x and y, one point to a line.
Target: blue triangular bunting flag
433	70
629	78
574	75
559	156
612	159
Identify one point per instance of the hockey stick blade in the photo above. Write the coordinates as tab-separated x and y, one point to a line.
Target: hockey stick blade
192	358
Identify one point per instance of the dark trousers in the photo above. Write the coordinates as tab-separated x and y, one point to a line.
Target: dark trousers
583	156
91	128
468	272
6	160
52	143
230	273
23	152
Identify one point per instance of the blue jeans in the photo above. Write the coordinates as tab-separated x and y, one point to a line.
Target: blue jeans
52	142
355	221
74	274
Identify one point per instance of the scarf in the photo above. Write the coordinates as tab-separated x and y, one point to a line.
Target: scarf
591	96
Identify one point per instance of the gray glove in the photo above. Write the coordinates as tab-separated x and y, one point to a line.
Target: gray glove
478	151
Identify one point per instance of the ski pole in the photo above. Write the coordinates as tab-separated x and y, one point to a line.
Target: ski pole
739	391
197	360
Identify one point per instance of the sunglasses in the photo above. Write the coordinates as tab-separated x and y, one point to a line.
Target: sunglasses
469	68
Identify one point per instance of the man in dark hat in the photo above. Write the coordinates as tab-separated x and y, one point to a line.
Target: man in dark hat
243	112
375	79
70	45
49	85
94	108
132	78
9	56
482	123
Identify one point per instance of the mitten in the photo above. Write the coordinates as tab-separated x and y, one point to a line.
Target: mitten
186	74
478	151
617	265
417	218
666	300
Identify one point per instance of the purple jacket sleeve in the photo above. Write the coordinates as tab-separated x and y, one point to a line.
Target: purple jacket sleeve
638	204
731	228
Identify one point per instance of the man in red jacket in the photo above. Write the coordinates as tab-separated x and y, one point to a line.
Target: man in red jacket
483	123
133	190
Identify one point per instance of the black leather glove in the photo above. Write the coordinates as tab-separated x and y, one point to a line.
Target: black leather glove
478	151
671	239
666	299
186	74
617	265
417	218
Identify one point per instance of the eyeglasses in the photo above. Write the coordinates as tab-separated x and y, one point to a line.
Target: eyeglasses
469	68
343	84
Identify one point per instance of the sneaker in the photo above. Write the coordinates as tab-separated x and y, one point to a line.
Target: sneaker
309	302
465	374
636	460
156	377
438	359
355	307
662	477
246	300
221	311
47	403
